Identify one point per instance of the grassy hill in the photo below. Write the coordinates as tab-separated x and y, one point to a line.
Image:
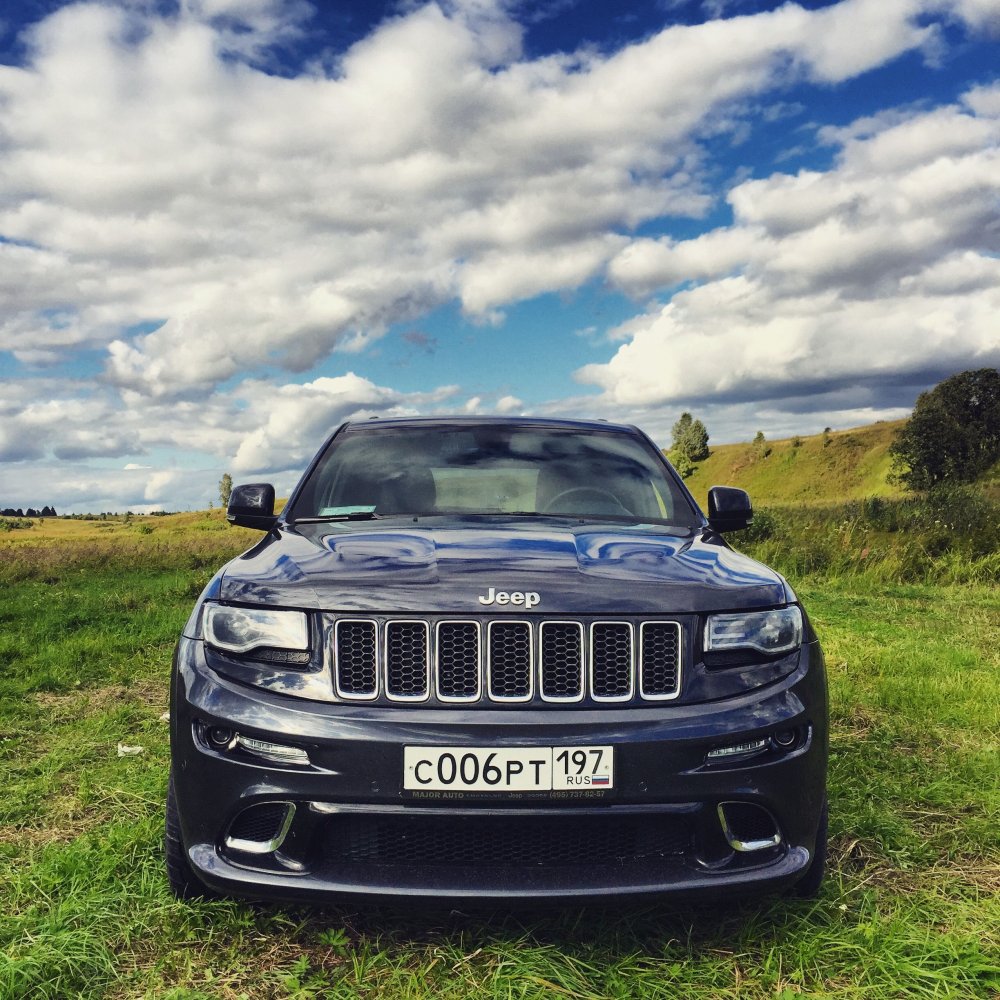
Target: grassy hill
821	469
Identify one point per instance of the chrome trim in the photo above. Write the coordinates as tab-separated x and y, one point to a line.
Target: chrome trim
427	659
489	661
463	699
336	659
265	846
680	660
380	630
605	699
541	663
746	845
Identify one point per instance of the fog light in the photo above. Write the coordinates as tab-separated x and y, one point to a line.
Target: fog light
220	736
786	738
273	751
737	750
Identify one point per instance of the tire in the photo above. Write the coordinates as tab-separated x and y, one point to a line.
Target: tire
807	887
184	884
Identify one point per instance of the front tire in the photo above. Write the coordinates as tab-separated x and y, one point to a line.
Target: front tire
184	884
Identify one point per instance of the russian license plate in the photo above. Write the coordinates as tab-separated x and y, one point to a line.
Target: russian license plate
512	769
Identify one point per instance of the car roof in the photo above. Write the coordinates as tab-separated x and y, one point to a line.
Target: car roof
464	420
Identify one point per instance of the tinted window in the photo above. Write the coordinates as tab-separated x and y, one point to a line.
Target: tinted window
492	469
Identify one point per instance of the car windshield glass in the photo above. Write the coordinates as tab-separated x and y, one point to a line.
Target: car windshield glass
491	469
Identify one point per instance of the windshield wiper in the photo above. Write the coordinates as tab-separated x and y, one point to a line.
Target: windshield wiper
355	515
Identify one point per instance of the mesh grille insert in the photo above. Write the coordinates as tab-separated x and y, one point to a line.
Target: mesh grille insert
611	649
406	659
749	822
510	660
458	660
356	659
260	823
660	663
562	660
508	841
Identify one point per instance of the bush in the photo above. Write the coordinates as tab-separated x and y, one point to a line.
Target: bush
15	523
684	466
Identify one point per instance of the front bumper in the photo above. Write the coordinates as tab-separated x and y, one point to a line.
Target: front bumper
343	826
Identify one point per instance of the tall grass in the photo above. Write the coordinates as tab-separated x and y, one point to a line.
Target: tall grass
949	536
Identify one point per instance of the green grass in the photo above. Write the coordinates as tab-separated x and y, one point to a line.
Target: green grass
911	907
815	469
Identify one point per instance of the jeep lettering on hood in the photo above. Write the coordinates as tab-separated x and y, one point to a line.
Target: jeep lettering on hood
516	597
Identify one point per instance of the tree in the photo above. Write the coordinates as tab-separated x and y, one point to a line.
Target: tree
225	488
760	446
954	433
690	438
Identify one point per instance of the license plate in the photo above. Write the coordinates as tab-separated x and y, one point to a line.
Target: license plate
512	769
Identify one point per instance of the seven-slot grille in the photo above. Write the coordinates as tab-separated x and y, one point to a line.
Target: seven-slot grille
506	661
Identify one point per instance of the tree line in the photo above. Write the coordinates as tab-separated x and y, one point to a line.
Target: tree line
30	512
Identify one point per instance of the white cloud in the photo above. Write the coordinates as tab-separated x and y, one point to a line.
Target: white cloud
152	172
509	404
168	201
289	422
885	264
159	483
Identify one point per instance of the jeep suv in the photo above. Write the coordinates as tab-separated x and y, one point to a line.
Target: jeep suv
504	659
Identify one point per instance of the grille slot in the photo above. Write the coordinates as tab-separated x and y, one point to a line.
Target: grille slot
458	673
659	660
407	661
503	842
561	661
356	666
611	661
511	666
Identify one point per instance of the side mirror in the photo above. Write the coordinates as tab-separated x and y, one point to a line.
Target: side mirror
252	506
729	509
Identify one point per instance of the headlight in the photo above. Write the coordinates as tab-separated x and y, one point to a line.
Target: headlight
766	631
241	629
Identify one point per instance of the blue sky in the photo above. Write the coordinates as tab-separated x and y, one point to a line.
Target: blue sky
225	227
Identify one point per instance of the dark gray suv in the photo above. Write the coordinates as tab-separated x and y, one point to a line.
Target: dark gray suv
495	658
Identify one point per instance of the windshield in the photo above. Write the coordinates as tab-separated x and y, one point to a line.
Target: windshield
491	469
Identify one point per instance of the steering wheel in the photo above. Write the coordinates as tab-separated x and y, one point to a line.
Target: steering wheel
587	491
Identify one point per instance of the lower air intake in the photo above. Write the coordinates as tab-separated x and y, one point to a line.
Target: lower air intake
502	842
260	829
748	827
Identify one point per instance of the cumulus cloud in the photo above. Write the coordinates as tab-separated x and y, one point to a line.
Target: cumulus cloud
201	220
886	264
290	421
154	171
509	404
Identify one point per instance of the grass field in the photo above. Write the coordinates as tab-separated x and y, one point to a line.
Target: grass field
911	907
816	469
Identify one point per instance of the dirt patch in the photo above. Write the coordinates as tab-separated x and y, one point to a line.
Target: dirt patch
149	692
70	821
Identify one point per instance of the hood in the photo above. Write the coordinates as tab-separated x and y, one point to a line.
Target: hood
445	566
